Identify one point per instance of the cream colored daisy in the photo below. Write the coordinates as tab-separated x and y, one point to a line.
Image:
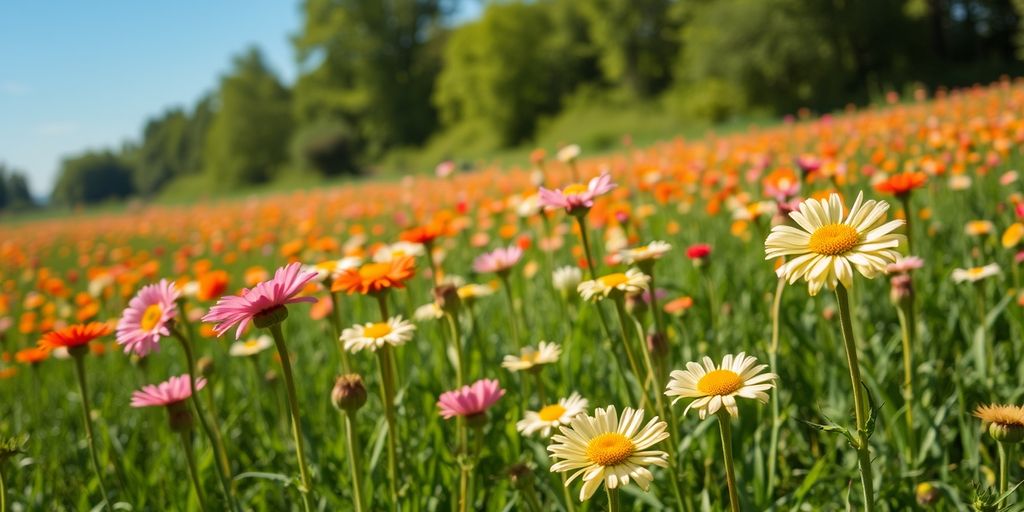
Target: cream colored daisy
330	269
471	292
975	274
633	281
398	250
826	247
372	336
528	358
607	448
552	416
652	251
251	346
429	311
714	387
566	278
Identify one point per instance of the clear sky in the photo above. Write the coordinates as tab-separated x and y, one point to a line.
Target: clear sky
79	74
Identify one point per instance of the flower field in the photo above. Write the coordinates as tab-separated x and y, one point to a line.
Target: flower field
817	315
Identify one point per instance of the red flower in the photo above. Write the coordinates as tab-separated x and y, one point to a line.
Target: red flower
698	251
901	184
75	335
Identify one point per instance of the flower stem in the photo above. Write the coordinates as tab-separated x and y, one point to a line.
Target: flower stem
570	505
581	221
1005	451
456	340
512	316
220	455
354	463
186	444
907	333
626	343
613	499
80	371
540	386
908	216
725	425
860	408
388	397
773	353
3	493
293	403
346	364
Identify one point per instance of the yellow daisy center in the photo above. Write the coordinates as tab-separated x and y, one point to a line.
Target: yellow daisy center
573	189
834	239
551	412
976	271
374	270
151	317
377	330
610	449
529	357
252	343
719	382
613	280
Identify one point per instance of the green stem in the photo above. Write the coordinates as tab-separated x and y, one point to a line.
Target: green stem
613	499
540	386
570	505
860	407
773	352
659	325
3	493
1005	451
220	455
346	364
388	396
626	343
354	463
293	403
193	472
456	340
725	425
908	216
464	468
906	332
512	316
581	221
80	371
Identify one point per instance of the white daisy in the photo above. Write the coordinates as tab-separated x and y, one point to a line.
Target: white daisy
251	346
567	278
330	269
429	311
714	387
652	251
975	274
552	416
826	247
372	336
545	353
398	250
607	448
633	281
472	292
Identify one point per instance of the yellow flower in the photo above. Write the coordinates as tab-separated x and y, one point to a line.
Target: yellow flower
633	281
1013	235
718	386
827	247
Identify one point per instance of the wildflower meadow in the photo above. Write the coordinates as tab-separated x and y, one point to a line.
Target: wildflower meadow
824	313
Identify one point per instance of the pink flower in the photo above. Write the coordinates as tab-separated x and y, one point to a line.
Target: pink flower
904	265
470	400
577	196
498	260
232	310
173	390
146	318
698	251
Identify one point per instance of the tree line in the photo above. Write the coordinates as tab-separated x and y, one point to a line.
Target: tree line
375	76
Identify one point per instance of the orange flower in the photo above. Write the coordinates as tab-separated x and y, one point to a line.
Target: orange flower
212	285
424	234
901	184
75	335
375	277
33	355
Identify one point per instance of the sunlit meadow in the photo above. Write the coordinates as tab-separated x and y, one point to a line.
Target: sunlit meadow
818	315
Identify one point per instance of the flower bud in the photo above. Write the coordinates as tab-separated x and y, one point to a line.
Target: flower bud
179	416
521	475
270	317
657	343
349	393
926	494
1006	433
205	366
446	296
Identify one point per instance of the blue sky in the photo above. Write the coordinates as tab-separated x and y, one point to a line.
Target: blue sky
77	74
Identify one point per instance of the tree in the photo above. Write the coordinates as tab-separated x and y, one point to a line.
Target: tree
18	195
503	69
248	138
92	177
371	64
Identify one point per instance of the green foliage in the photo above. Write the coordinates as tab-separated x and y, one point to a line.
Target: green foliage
248	137
14	193
372	64
491	74
93	177
327	147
